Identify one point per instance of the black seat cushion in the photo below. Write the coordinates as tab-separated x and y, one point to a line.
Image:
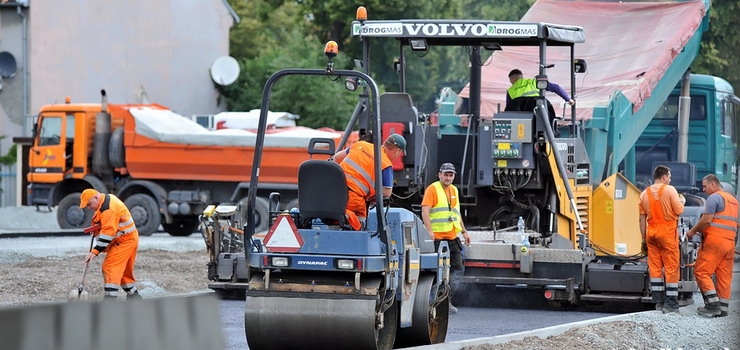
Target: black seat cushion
322	191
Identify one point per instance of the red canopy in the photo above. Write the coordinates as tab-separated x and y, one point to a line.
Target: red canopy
628	47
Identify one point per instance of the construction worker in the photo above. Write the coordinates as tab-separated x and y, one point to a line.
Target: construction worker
660	207
117	237
440	211
358	163
521	87
718	227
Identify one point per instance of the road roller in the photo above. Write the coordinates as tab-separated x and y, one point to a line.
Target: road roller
314	282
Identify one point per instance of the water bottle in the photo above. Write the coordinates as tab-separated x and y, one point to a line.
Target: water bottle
520	225
522	233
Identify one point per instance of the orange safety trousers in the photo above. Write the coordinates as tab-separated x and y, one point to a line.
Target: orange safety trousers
662	242
357	204
118	267
716	256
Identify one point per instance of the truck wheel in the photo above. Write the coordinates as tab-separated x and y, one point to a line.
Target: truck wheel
145	212
116	152
261	214
69	213
182	226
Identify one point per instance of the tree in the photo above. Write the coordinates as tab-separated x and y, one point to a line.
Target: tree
719	53
274	37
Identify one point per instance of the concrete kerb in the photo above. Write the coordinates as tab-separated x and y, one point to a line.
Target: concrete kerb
541	333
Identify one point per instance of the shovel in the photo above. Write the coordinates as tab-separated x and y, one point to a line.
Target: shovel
80	293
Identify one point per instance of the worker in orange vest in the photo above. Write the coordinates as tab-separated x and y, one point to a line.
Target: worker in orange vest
718	227
117	237
358	163
660	207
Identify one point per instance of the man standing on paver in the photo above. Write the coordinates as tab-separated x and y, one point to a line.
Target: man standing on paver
660	206
117	237
718	226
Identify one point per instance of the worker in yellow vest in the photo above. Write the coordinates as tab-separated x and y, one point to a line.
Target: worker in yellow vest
521	87
440	211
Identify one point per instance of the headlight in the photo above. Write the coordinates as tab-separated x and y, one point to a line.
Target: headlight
346	264
279	261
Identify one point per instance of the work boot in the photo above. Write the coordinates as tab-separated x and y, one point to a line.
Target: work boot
110	298
659	299
134	296
710	310
671	305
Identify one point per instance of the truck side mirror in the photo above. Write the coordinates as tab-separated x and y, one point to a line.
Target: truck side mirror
579	65
35	129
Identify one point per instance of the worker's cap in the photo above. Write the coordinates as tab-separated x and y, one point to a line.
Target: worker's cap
447	168
398	141
86	196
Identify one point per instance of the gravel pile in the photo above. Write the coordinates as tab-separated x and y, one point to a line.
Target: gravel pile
49	279
645	330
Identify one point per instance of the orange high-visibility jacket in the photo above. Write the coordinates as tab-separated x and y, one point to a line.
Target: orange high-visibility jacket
115	221
724	223
358	168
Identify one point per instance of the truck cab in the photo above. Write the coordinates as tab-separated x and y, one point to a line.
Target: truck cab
713	132
60	150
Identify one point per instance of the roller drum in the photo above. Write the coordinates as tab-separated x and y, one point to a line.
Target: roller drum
275	320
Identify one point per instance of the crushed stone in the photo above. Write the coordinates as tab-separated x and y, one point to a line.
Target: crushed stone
644	330
50	279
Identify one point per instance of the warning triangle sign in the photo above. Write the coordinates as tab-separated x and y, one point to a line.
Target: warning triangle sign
283	236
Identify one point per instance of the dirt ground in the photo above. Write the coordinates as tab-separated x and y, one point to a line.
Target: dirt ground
157	272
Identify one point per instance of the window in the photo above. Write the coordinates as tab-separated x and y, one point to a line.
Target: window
669	110
51	131
70	128
728	119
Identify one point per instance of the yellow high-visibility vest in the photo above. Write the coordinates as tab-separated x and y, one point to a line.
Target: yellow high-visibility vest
523	87
445	217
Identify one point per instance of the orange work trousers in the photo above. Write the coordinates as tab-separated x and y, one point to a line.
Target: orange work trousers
663	253
357	204
118	266
716	256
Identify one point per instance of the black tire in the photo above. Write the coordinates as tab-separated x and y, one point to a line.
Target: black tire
181	226
116	152
145	211
69	213
424	329
261	213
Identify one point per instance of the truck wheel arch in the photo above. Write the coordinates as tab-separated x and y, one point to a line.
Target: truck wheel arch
72	185
153	189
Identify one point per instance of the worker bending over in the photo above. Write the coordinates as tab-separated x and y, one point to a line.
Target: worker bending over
358	163
718	227
660	207
117	237
440	211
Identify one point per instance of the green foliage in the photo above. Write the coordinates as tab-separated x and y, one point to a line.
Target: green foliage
11	157
271	38
719	54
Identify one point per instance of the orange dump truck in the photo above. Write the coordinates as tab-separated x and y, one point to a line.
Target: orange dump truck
165	167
